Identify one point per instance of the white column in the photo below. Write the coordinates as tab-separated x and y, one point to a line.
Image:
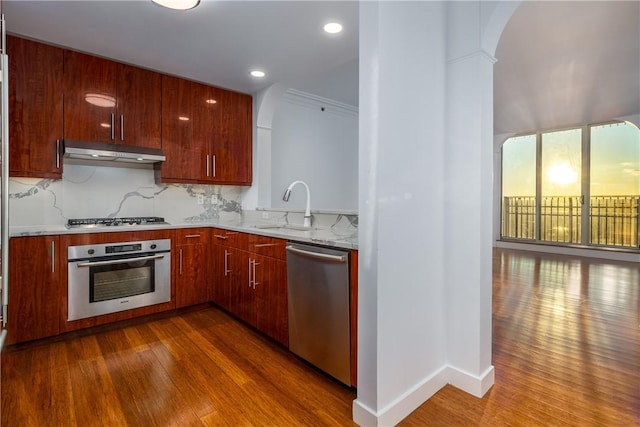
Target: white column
469	201
401	318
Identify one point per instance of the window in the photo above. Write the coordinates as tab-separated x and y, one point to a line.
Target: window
575	186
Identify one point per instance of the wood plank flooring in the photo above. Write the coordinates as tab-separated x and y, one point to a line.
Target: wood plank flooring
198	368
566	349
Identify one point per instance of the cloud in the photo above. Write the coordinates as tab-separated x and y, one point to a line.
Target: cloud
630	171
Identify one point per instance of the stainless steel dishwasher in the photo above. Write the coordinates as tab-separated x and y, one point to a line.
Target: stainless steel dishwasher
318	282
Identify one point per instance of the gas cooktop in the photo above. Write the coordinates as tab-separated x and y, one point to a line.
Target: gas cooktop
114	222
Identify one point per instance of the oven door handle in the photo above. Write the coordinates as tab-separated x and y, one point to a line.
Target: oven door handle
118	261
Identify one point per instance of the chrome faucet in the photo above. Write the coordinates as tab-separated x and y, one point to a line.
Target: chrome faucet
307	212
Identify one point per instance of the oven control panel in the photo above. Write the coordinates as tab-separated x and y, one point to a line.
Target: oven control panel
114	249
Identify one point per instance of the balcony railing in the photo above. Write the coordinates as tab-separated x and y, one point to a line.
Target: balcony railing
613	220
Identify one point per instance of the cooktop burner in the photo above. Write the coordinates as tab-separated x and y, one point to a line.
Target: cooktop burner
114	222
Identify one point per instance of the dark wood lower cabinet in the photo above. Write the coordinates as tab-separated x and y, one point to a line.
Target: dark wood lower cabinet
34	288
250	281
270	297
243	273
190	266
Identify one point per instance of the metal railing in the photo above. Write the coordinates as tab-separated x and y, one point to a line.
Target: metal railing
613	220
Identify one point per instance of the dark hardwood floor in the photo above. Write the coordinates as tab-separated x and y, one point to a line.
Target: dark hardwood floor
566	349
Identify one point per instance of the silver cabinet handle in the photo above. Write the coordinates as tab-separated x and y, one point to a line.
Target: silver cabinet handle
213	160
226	262
121	127
57	154
264	245
113	131
119	261
181	262
191	236
255	280
207	165
53	256
250	280
219	236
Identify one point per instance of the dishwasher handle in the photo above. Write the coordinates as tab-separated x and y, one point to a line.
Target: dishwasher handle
318	255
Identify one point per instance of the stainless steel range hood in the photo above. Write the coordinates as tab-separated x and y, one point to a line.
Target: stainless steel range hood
105	152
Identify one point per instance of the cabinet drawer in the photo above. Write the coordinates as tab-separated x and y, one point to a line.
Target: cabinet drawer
225	237
192	236
267	246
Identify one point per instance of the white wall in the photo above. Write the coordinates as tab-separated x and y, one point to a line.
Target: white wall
314	140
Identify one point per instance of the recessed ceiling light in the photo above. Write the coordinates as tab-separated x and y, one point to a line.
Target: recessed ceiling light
333	27
177	4
257	73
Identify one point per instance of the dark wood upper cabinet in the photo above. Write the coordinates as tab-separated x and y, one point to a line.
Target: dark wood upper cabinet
231	138
206	134
35	109
184	150
105	101
204	131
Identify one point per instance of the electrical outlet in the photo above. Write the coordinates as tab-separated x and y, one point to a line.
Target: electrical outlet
200	199
214	199
265	215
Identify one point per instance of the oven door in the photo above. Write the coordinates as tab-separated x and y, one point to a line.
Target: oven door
111	284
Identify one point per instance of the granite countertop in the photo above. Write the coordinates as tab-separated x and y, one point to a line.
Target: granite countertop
328	236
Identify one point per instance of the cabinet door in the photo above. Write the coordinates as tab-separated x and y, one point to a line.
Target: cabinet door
231	144
138	120
191	270
34	297
270	295
35	108
184	149
89	98
242	296
225	267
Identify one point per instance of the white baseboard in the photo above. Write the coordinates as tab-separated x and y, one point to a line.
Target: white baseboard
412	399
476	386
402	406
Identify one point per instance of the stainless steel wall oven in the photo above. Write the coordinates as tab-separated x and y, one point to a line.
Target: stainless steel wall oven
107	278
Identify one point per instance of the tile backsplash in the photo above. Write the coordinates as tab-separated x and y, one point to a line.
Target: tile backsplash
102	191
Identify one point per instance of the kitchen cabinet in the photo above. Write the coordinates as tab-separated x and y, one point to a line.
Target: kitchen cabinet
191	273
225	265
35	109
268	281
105	101
231	143
34	288
206	134
261	292
250	280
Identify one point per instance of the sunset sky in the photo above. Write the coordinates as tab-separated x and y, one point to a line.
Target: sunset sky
615	162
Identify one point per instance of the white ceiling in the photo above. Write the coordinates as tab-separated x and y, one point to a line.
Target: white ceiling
559	63
217	43
567	63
